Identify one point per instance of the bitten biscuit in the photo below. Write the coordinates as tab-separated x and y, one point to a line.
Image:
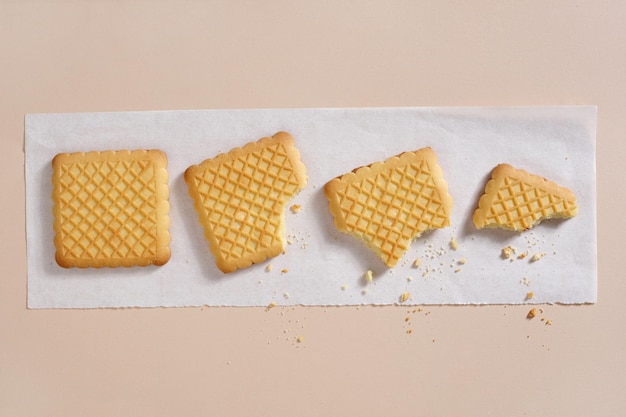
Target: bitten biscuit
240	198
111	208
517	200
387	205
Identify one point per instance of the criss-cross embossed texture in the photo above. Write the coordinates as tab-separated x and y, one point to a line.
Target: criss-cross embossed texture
392	207
519	205
243	200
108	209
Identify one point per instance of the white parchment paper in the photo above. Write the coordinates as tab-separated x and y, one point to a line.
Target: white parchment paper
322	266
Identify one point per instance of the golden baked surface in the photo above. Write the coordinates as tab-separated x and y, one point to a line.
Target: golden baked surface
240	198
111	208
517	200
387	205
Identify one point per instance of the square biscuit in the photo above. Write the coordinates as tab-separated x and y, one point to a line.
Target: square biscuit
111	208
389	204
240	198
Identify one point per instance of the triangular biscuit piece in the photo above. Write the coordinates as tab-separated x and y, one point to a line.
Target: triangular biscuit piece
388	205
517	200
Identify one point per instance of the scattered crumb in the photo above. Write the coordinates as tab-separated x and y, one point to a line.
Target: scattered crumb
409	331
299	339
548	322
286	295
522	255
417	262
457	270
268	268
530	295
364	291
525	281
284	271
344	287
407	318
405	296
462	261
369	275
537	256
532	313
271	305
296	208
453	243
508	252
409	279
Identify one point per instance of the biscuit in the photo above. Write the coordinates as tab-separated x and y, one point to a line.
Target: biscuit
516	200
387	205
240	198
111	208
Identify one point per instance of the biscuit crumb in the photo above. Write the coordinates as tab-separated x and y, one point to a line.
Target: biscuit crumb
268	268
453	243
409	331
508	252
296	208
271	305
286	295
532	313
405	296
457	270
417	262
344	287
409	279
364	291
299	339
369	275
284	271
522	255
529	295
537	256
462	261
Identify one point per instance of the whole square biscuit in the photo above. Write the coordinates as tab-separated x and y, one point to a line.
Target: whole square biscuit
111	208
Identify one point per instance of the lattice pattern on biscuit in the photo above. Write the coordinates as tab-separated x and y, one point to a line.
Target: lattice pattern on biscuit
517	200
107	211
389	206
241	197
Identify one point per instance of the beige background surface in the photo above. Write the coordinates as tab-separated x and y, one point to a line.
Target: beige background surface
70	56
